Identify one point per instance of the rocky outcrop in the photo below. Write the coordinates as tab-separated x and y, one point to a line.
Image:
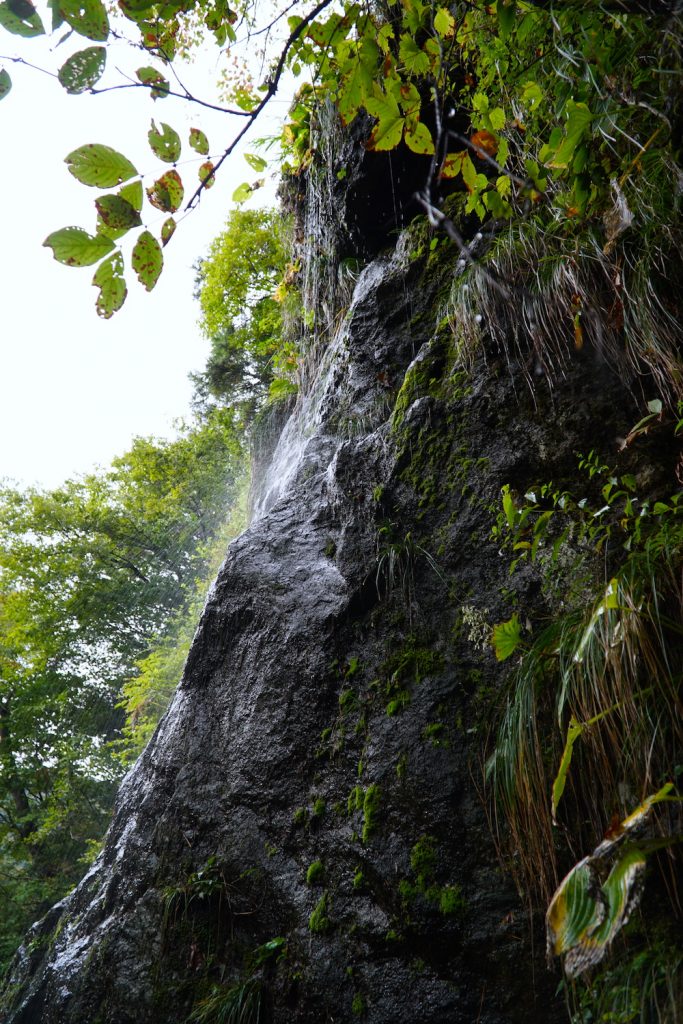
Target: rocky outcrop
307	830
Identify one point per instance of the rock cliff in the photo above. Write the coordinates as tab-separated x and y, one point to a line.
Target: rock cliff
307	835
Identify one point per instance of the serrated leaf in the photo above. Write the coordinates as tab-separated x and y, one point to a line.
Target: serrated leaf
159	86
444	22
242	192
167	231
469	173
147	260
355	87
167	192
5	83
532	95
165	143
507	637
256	162
99	166
110	280
388	132
207	177
76	248
83	69
497	118
26	23
199	142
87	17
414	59
452	165
117	213
420	139
133	194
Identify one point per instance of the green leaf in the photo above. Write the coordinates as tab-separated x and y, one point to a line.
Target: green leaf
444	22
574	730
167	231
532	95
420	139
26	23
100	166
117	213
506	17
414	59
133	194
655	406
497	119
147	260
76	248
507	637
242	192
609	602
355	87
159	86
167	192
5	83
109	279
388	132
207	177
256	162
579	118
199	141
87	17
165	143
83	69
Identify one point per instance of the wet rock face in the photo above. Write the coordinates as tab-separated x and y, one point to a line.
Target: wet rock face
307	821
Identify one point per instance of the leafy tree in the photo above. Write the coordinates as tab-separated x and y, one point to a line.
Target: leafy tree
567	110
93	575
237	286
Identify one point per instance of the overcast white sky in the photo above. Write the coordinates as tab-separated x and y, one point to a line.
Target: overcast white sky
75	389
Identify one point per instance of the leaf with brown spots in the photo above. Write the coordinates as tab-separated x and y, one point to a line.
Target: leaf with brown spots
147	260
167	192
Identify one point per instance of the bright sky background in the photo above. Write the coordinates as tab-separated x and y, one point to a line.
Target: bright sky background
75	389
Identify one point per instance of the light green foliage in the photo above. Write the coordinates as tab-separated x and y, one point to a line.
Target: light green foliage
318	921
424	862
371	811
96	577
315	872
237	282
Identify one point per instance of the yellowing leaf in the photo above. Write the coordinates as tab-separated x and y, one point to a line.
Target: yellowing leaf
76	248
147	260
111	283
206	175
420	139
485	143
444	22
167	192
